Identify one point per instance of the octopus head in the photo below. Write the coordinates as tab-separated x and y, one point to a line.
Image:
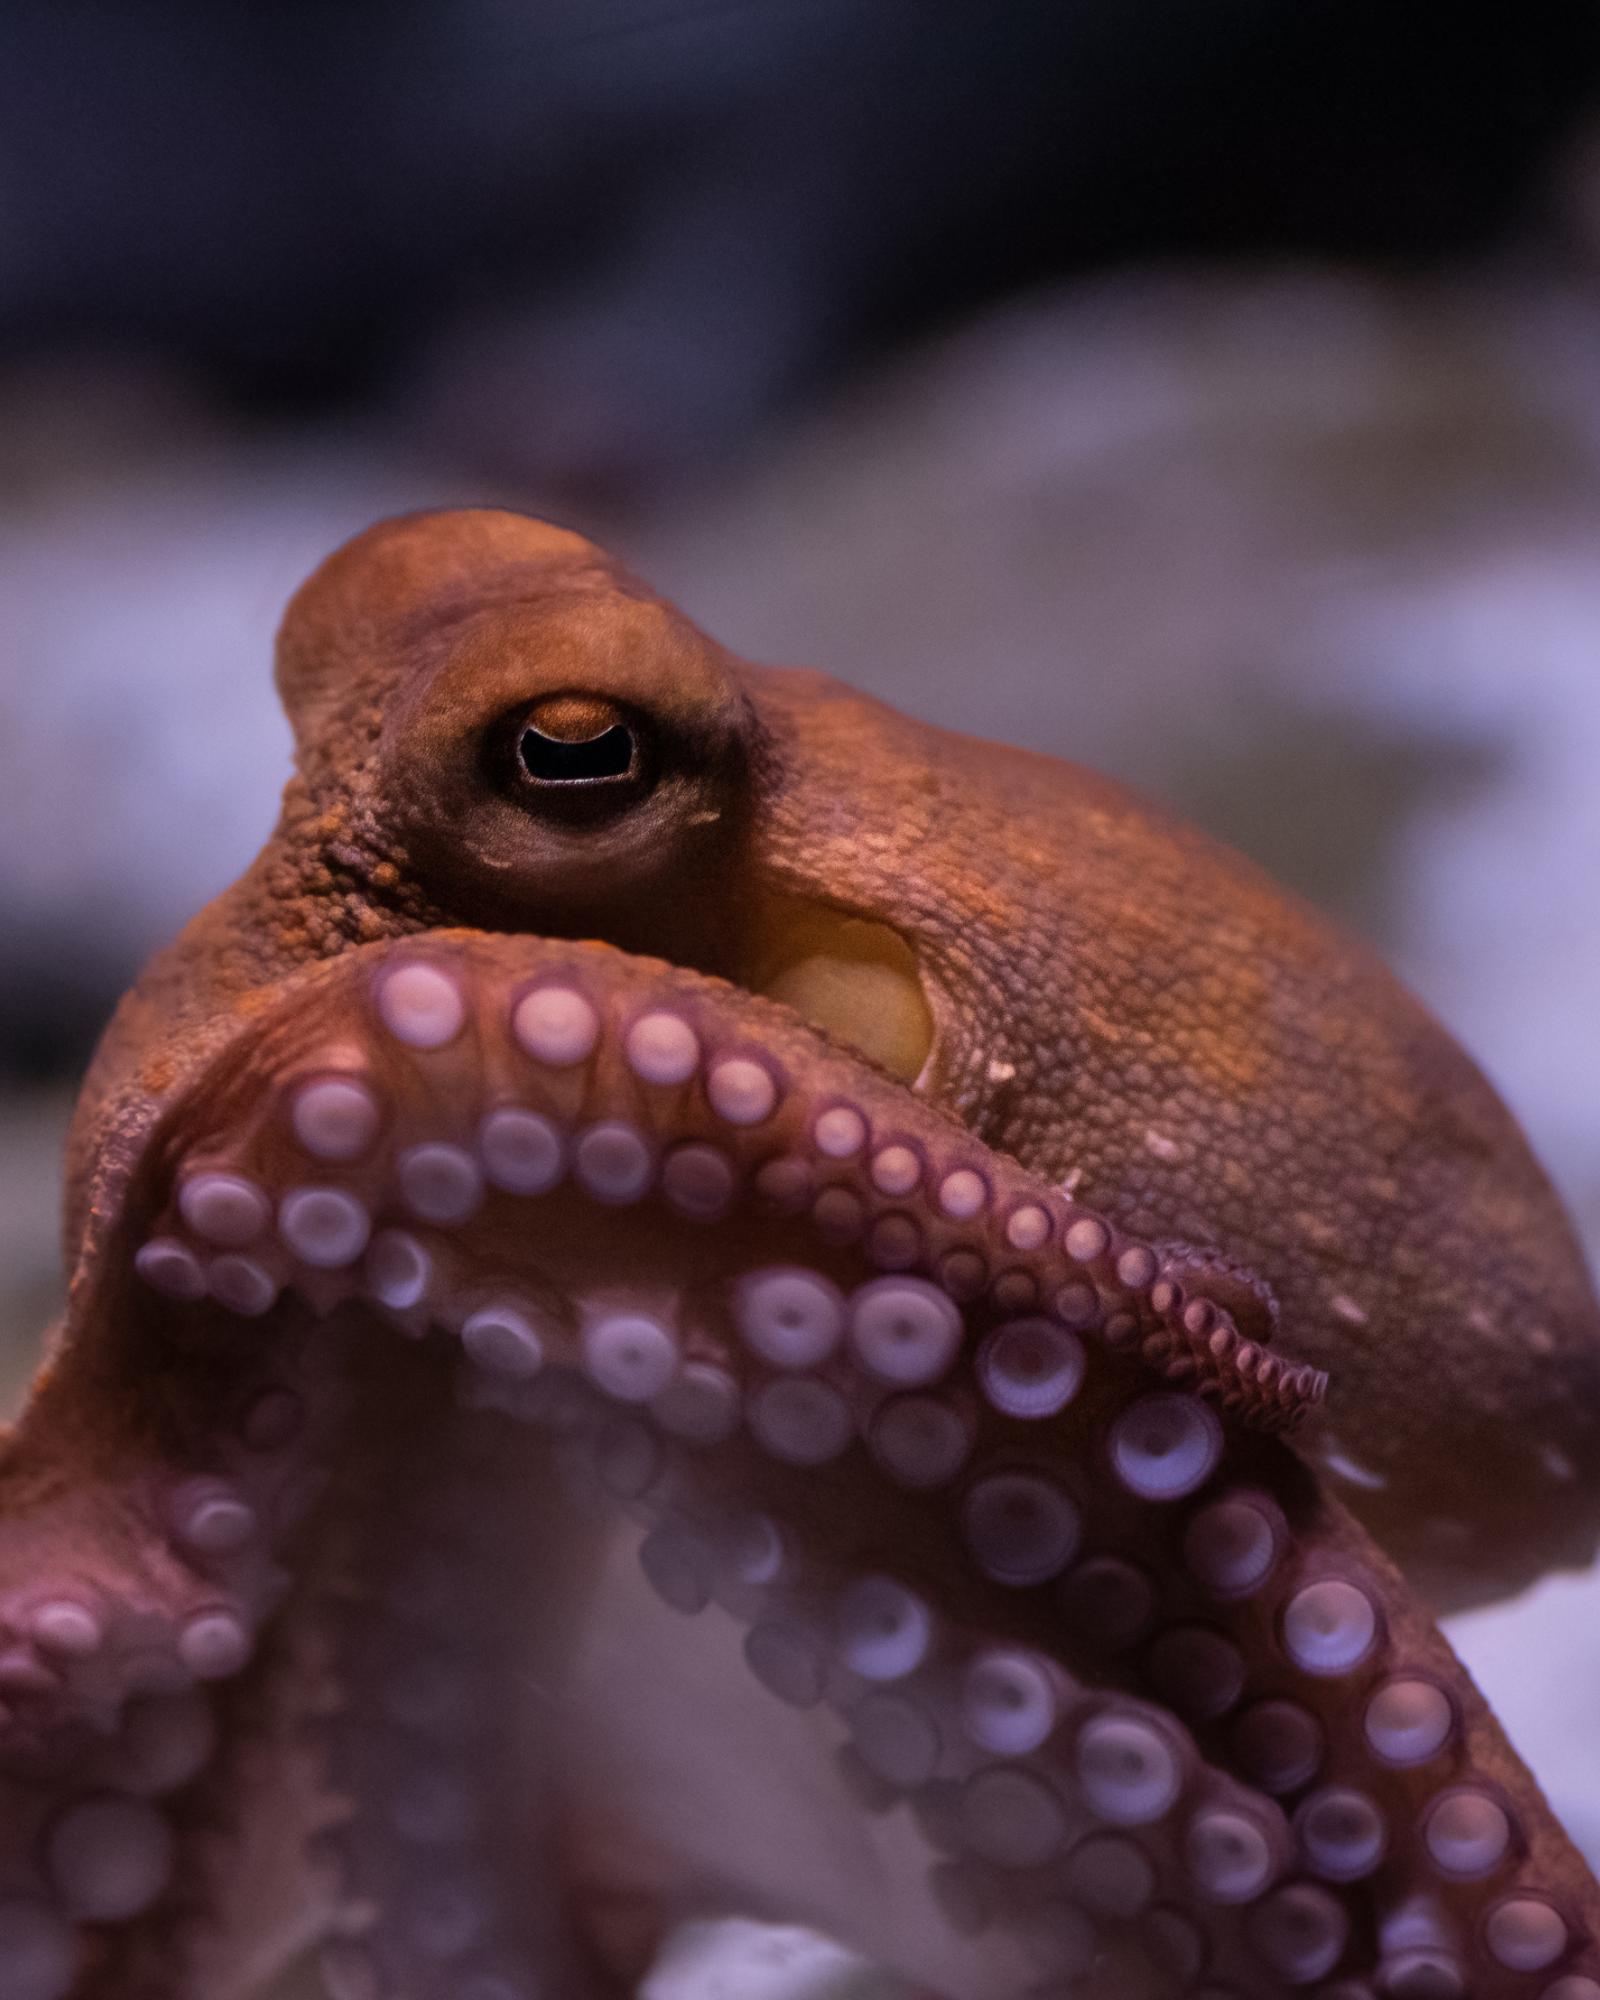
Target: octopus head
500	729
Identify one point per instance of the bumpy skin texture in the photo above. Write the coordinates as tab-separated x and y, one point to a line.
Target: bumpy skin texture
446	1195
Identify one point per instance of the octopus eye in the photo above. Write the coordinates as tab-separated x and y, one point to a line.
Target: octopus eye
575	755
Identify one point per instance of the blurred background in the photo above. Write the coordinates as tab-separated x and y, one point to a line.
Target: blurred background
1209	393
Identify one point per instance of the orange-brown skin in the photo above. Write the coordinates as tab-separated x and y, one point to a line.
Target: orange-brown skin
1115	1005
1117	999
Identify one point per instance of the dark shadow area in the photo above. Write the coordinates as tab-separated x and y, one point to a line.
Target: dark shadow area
598	242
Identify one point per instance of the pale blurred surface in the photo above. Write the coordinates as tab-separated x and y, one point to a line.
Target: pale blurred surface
1310	552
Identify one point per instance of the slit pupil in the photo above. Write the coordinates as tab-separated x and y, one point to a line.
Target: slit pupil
551	761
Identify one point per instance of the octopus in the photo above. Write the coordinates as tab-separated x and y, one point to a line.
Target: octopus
697	1298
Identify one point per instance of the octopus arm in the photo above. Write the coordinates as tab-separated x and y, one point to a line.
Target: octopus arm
471	1254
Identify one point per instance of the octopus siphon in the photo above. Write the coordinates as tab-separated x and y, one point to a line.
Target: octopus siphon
697	1298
